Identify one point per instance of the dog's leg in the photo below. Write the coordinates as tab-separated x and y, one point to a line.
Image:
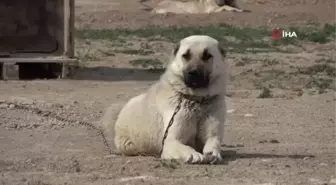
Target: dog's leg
211	134
125	146
228	8
174	149
175	144
212	150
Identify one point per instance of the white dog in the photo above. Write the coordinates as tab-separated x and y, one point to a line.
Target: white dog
186	105
193	7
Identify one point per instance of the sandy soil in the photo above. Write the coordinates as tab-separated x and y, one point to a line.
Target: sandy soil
288	139
129	14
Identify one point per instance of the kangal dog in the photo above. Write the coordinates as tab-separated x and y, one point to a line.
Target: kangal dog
182	115
193	7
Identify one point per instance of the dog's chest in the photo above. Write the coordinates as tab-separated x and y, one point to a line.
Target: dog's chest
194	110
192	114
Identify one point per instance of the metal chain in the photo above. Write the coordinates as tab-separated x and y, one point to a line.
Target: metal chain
49	114
171	121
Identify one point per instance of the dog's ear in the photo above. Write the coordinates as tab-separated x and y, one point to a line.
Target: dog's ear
174	52
176	49
222	50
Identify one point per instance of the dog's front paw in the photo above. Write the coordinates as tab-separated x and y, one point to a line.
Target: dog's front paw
240	10
195	158
237	10
183	153
213	157
212	150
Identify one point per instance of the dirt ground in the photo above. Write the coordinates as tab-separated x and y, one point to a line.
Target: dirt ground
287	138
129	14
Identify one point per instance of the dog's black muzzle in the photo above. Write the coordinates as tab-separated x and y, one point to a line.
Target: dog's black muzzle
196	78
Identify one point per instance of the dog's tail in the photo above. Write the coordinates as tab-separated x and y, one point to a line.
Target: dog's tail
145	7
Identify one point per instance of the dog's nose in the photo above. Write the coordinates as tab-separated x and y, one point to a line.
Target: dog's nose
194	74
196	79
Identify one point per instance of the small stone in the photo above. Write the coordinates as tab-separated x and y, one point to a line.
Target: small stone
262	141
248	115
323	164
48	105
332	181
3	106
13	125
287	166
28	102
35	125
306	158
11	106
274	141
240	145
230	111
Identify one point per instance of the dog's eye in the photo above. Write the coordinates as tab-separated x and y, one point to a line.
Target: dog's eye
206	55
186	55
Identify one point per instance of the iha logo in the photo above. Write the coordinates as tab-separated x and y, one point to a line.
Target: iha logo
278	33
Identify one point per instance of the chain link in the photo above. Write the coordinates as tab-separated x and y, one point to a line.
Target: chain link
171	121
49	114
191	99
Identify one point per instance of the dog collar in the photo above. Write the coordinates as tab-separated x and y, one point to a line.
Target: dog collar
198	99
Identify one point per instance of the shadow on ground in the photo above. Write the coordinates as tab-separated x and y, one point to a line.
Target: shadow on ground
232	155
103	73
